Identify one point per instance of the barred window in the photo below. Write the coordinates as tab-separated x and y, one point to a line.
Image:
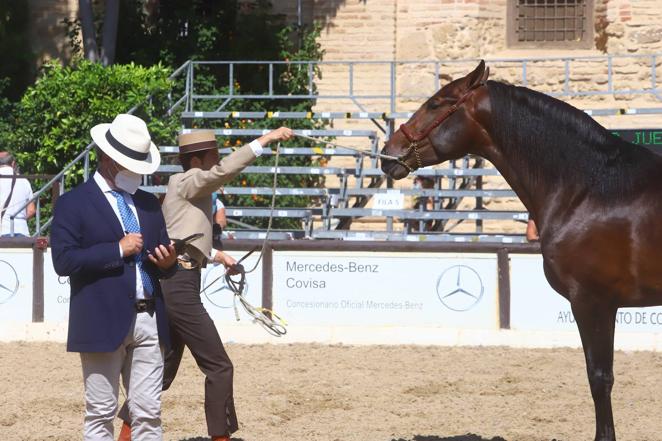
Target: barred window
550	23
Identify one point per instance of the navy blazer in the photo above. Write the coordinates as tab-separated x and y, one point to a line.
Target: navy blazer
85	239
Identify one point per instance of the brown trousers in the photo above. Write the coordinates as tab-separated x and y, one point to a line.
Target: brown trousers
191	326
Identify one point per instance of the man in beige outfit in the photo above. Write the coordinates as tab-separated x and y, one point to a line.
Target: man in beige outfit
187	209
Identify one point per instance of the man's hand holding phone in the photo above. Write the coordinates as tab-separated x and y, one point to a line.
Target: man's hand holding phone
163	257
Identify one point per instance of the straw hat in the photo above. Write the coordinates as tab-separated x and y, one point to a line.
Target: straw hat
127	141
196	141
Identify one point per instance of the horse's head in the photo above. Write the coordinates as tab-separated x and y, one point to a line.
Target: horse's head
443	128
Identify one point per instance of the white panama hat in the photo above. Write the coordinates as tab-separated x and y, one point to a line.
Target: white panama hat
126	140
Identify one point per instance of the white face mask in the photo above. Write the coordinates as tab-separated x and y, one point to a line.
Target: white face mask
128	181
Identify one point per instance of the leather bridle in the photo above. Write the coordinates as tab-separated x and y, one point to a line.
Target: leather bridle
414	138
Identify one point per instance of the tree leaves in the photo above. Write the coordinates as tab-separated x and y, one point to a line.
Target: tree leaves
51	123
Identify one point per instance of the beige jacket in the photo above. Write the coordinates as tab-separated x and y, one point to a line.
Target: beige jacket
187	206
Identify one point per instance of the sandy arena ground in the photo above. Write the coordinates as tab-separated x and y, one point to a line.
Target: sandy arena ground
357	393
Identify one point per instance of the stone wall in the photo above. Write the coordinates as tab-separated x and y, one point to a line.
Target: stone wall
47	31
433	30
427	30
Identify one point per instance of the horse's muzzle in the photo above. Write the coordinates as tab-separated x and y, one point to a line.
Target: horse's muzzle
394	169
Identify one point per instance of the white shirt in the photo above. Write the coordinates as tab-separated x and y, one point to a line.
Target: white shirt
105	188
21	195
219	204
256	147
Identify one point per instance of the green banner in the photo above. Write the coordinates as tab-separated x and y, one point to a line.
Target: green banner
651	138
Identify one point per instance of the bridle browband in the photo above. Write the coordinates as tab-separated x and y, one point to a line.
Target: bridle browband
415	138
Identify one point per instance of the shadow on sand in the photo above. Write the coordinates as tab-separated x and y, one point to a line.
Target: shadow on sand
206	438
467	437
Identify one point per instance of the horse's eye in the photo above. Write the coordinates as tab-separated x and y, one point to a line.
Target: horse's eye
435	104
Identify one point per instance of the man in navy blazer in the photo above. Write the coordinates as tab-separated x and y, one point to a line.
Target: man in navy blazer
111	240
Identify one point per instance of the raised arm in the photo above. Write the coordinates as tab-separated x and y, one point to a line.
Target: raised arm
198	182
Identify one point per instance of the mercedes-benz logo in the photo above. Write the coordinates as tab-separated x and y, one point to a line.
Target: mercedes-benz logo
459	288
218	292
8	282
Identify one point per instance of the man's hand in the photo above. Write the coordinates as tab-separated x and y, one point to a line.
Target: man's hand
163	257
226	260
280	134
131	244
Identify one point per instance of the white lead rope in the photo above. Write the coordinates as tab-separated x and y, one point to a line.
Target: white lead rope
363	152
268	319
271	212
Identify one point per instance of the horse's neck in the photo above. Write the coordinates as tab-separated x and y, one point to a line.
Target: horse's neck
533	176
525	176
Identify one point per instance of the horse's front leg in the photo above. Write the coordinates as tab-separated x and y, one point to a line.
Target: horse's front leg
596	327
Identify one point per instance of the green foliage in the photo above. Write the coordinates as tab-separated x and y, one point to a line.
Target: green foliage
295	78
52	120
18	59
6	109
174	31
66	102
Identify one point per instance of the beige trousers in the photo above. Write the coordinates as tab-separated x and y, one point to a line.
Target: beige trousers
139	360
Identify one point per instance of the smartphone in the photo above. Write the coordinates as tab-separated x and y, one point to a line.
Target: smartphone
180	244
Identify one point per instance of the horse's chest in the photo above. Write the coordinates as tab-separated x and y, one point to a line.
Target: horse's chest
626	272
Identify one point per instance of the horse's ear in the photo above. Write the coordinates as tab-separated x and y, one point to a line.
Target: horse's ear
485	76
476	77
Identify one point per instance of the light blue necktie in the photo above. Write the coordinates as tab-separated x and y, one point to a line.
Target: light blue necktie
131	226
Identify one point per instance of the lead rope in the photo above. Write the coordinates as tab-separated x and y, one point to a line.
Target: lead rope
363	152
271	213
265	317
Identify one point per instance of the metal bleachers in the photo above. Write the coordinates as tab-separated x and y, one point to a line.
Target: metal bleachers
344	207
343	201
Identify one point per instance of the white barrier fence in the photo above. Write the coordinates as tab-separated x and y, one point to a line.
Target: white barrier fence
334	295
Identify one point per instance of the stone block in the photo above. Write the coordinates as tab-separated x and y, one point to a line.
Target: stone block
615	30
649	35
414	46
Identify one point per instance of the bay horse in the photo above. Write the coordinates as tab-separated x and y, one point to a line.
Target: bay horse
596	200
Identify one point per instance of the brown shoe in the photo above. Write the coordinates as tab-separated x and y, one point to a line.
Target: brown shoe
125	433
220	438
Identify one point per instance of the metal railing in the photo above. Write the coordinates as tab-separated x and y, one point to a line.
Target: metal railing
361	84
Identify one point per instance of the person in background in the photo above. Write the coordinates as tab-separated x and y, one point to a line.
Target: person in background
217	256
422	203
218	209
14	194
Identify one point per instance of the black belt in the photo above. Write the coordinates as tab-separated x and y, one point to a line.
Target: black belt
145	305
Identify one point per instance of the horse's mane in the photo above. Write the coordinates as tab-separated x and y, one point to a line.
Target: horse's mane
557	143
